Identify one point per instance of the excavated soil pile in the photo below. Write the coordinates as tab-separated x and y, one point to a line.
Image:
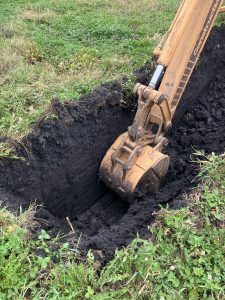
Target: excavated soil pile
63	154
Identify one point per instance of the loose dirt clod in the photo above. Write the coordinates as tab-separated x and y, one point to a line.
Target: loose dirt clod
63	155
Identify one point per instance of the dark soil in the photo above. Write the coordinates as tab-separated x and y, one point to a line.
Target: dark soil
63	154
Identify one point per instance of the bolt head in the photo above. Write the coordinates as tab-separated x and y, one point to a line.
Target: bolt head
145	94
139	151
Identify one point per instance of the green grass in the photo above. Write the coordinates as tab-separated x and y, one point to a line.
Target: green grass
183	259
67	47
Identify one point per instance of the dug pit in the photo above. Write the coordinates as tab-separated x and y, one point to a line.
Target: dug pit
64	150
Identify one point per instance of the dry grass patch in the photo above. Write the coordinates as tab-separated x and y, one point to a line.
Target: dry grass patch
26	48
36	15
8	31
6	219
9	60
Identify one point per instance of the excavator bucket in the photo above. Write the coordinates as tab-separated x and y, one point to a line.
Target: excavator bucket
144	176
134	165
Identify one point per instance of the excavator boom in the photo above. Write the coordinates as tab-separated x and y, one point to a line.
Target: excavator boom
134	165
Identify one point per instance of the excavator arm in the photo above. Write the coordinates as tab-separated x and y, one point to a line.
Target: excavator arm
134	165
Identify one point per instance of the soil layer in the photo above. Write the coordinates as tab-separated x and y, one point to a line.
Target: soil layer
64	150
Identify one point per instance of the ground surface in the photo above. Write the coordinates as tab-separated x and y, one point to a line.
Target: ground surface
63	153
56	164
62	48
181	260
66	48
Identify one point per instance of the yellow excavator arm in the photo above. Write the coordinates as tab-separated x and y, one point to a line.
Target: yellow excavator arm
134	164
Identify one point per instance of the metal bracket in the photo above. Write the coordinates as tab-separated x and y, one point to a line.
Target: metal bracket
130	153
